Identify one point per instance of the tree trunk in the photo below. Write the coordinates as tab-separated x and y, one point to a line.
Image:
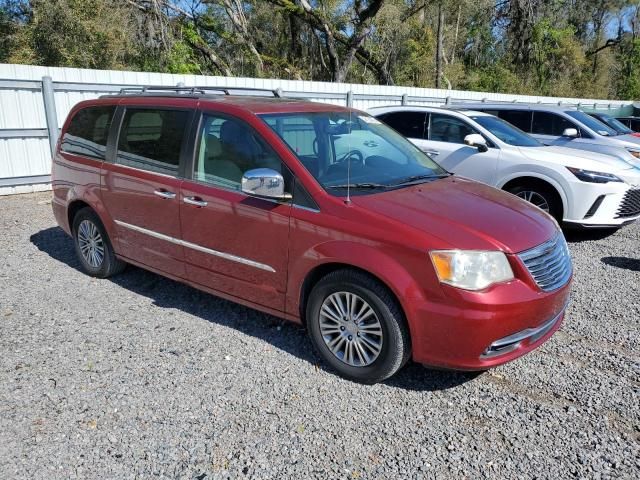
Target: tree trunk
439	46
455	37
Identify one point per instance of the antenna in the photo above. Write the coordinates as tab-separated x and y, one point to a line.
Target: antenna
348	200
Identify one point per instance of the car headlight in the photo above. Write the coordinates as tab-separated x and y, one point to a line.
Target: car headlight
635	153
593	177
471	270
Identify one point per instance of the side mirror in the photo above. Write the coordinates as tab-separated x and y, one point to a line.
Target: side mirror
264	183
570	133
476	140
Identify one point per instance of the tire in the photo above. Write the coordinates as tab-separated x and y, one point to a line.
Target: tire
390	339
90	237
534	193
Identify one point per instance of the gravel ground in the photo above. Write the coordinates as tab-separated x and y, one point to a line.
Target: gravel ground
139	376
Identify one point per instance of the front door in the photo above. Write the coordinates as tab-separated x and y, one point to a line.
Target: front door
446	140
141	187
233	243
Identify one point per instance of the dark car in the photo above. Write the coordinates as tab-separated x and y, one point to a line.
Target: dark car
612	122
632	122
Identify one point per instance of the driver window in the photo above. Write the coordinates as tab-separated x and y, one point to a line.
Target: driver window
228	148
444	128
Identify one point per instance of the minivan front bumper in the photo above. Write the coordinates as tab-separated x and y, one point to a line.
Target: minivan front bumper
477	331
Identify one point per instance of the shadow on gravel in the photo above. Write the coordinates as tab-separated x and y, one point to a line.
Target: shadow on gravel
625	263
587	235
58	245
281	334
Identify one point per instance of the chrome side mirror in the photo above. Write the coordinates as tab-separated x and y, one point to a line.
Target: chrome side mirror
570	132
264	183
476	140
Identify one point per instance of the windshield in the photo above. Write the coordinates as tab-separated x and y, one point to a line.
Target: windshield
614	123
352	148
505	131
590	122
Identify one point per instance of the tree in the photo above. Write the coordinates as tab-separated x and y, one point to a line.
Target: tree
555	47
342	47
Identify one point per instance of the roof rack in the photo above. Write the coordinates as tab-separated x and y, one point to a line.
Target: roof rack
195	90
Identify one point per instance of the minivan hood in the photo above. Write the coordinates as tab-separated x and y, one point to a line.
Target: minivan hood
572	157
464	214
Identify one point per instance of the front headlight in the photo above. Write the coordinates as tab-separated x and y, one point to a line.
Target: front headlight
635	153
471	270
593	177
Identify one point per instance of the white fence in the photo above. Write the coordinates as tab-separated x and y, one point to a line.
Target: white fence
34	101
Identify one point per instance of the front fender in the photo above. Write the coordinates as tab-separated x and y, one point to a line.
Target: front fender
369	258
536	171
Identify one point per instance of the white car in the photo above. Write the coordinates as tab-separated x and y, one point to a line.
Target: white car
565	126
577	187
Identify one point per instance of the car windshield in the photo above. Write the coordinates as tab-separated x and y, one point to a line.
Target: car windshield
505	131
590	122
353	149
614	123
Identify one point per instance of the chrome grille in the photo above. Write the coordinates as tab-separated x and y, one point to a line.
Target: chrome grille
549	263
630	205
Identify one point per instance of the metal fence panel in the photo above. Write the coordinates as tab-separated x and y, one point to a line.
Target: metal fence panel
24	150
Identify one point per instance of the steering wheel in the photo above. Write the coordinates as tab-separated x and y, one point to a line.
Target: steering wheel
352	154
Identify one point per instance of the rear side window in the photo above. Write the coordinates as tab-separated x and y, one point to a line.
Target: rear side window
88	132
409	124
545	123
517	118
151	139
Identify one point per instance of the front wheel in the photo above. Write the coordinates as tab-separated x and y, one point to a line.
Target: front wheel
357	326
542	196
93	247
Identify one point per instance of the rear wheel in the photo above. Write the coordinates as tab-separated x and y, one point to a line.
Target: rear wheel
93	247
357	326
542	196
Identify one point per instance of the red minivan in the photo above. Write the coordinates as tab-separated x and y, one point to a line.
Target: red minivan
315	213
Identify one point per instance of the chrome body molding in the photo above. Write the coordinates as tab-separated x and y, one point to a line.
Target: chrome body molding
512	342
194	246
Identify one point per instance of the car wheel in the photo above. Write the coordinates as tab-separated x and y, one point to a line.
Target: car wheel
93	246
357	326
543	197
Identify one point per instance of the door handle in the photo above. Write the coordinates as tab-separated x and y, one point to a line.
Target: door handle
165	194
195	201
432	152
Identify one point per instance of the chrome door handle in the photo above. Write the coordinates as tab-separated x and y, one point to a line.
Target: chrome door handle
194	201
165	194
432	152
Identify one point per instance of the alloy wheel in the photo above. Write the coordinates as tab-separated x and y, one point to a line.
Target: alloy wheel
535	198
351	329
90	243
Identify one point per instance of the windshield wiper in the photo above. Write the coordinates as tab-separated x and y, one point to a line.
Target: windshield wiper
358	186
416	178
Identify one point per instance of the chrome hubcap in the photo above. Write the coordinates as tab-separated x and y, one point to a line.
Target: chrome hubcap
535	198
350	329
90	243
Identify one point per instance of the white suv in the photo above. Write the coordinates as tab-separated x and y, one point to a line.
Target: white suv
578	187
565	126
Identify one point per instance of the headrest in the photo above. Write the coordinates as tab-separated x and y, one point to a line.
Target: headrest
232	132
212	145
